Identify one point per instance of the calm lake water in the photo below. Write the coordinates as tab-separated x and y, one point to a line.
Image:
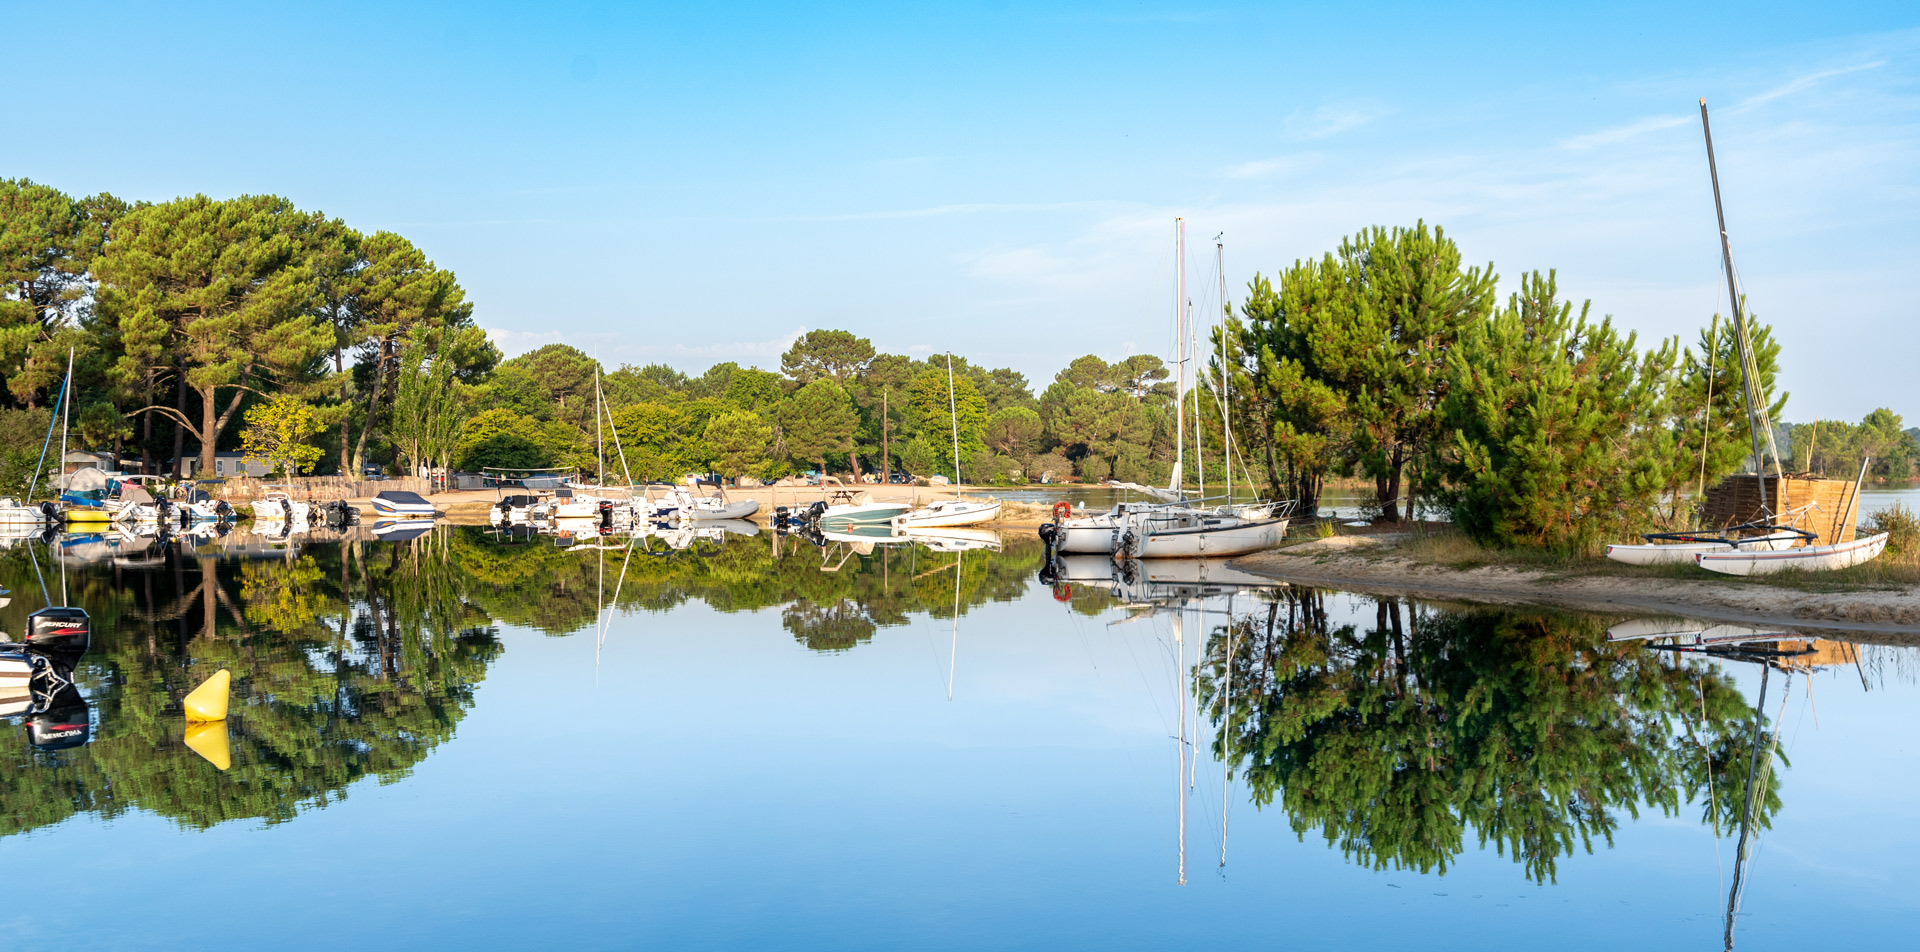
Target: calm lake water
469	740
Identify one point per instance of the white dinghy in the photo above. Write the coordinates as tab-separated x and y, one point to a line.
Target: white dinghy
1813	558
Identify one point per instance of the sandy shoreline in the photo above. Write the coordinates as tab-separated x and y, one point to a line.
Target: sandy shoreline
1369	564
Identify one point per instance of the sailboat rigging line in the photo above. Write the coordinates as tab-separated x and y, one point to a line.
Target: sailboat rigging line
59	404
1221	395
1754	412
1706	419
1199	428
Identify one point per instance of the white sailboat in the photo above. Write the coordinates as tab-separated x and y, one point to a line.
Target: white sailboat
1776	546
1182	532
1100	533
950	513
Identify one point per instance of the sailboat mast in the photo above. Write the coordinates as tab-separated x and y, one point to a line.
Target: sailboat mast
1180	361
1739	316
599	440
954	413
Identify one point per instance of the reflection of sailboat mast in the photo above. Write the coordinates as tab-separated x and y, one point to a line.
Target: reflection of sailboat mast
953	653
1226	720
1734	892
1180	777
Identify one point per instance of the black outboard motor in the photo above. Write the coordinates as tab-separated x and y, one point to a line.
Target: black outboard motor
606	516
781	517
62	723
60	630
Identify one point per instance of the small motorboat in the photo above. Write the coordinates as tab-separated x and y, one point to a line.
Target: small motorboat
517	509
278	506
950	513
1812	558
401	504
690	504
15	513
955	539
844	508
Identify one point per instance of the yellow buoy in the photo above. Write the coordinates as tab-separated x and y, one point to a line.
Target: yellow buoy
208	702
209	740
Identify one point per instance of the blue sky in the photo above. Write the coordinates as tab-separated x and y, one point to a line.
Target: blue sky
693	183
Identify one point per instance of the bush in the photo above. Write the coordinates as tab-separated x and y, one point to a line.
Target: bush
1902	527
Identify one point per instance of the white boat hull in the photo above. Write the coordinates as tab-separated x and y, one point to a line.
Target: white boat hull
1220	541
744	509
392	511
950	514
1680	553
870	514
1088	535
1813	558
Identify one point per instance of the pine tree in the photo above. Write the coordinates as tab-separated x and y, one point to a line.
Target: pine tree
1560	428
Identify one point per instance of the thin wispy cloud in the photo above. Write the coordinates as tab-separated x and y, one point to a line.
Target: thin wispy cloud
1328	121
1794	86
1264	168
1641	127
1623	133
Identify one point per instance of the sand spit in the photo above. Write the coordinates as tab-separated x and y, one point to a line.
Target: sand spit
1372	564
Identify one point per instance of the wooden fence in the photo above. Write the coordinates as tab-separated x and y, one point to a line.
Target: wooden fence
319	488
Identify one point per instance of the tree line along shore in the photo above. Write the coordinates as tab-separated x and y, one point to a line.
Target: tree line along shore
198	326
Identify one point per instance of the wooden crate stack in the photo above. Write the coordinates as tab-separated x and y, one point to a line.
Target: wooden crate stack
1736	500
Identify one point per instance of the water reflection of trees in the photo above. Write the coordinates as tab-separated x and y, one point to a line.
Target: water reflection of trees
349	662
1526	729
356	660
559	590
